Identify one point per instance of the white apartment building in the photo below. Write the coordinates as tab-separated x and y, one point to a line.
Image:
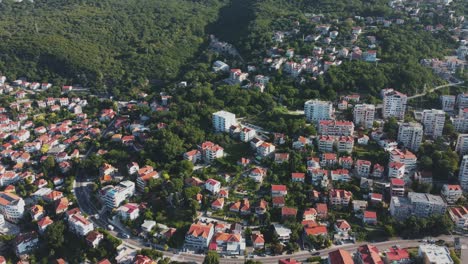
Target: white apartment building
462	144
79	224
326	143
11	206
363	115
363	168
433	121
247	134
316	110
433	254
223	120
411	135
462	100
345	144
451	193
447	102
396	169
394	104
459	216
113	196
408	158
336	128
463	174
199	236
417	204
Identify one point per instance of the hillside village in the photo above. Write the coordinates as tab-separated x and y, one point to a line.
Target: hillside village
362	171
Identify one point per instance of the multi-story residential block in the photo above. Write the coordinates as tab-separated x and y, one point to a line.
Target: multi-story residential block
298	177
394	104
407	157
229	244
345	144
368	254
213	186
328	159
129	211
462	100
223	120
433	121
145	174
346	162
301	142
336	128
9	177
447	102
363	115
25	243
246	134
11	206
325	143
410	134
462	144
193	156
363	168
341	175
459	216
199	236
265	149
316	110
463	173
317	175
418	204
433	254
278	190
210	151
451	193
378	170
460	122
396	169
397	187
78	223
113	196
339	197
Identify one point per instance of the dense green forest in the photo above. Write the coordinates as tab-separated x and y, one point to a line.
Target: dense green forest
114	45
106	42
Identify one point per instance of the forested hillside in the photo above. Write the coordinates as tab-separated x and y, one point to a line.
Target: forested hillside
102	41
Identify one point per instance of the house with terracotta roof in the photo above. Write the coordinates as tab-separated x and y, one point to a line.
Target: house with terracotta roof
213	186
309	214
397	187
140	259
328	159
396	169
257	174
228	243
342	226
338	197
288	261
258	241
43	223
378	170
199	236
288	213
217	204
129	211
104	261
369	217
311	228
322	210
36	212
61	205
368	254
340	175
281	157
235	207
451	193
375	198
340	256
223	193
397	255
278	201
298	177
25	243
278	190
459	216
93	238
